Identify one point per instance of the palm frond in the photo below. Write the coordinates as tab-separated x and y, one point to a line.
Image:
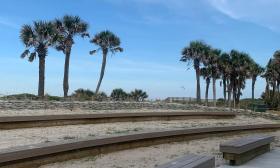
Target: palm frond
26	34
117	49
24	54
107	41
85	35
32	56
38	38
92	52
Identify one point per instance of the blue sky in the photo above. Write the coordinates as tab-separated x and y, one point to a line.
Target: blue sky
153	33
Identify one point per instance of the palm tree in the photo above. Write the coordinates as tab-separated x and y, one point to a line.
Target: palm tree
276	57
213	65
268	75
224	68
240	68
256	70
206	74
272	77
107	42
37	38
197	52
68	27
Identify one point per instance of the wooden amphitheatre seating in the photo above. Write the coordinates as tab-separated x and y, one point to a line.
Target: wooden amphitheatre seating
191	161
242	150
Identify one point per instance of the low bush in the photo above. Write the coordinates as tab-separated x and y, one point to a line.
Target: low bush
88	95
136	95
119	95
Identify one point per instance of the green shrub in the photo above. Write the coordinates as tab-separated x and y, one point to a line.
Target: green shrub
88	95
53	98
23	96
82	94
272	101
138	95
101	96
119	95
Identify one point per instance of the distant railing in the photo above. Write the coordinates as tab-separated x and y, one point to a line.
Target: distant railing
184	99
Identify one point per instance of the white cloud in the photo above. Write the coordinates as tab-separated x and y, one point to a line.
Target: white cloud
163	11
8	23
262	12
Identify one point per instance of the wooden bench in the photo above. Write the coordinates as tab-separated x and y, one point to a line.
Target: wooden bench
191	161
242	150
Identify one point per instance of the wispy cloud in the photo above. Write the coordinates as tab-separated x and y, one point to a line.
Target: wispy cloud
262	12
8	23
162	11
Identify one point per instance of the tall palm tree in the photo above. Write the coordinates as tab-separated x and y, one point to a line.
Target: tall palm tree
272	77
106	42
197	52
213	62
240	68
68	27
268	75
37	38
276	64
224	68
205	72
256	70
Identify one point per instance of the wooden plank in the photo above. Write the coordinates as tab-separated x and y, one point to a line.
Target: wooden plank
16	154
238	159
245	144
14	122
191	161
204	162
177	161
186	162
110	115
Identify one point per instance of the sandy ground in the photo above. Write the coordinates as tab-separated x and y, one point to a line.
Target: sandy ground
149	157
79	111
27	136
146	157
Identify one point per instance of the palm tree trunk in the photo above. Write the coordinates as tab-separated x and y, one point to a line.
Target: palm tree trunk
253	89
214	91
225	89
66	71
234	99
273	88
229	94
206	91
41	85
238	96
278	87
105	51
197	71
234	95
267	89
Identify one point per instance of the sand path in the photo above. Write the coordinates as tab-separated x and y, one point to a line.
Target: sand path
149	157
27	136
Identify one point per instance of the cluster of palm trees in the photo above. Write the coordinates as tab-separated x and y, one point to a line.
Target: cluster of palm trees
117	94
272	77
135	95
60	34
233	69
